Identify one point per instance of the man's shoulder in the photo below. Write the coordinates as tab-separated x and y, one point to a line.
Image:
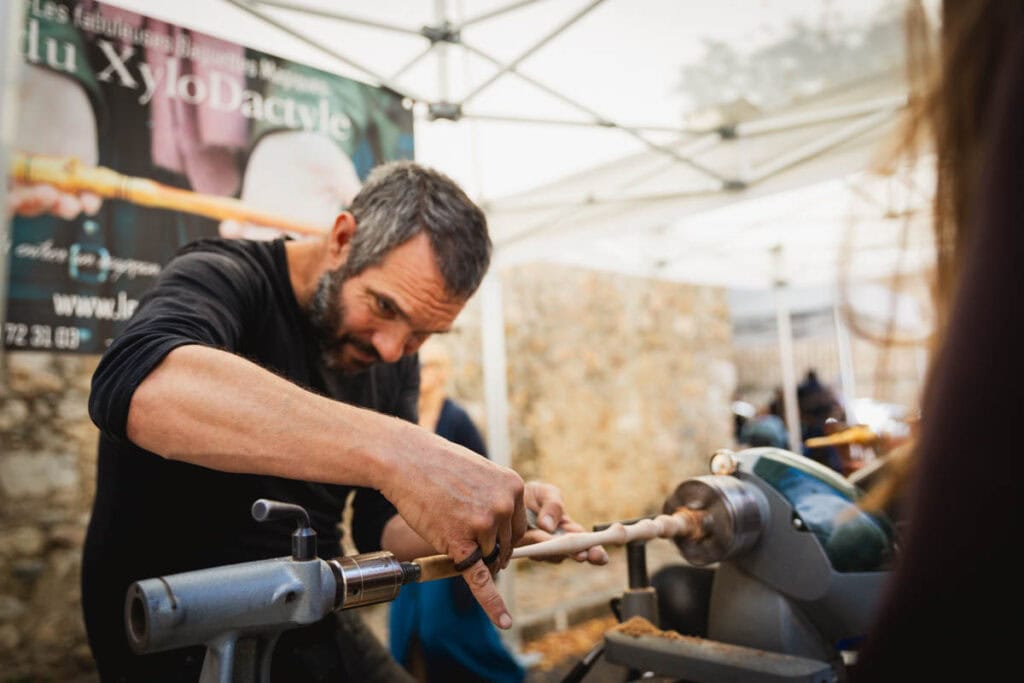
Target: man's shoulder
230	256
229	247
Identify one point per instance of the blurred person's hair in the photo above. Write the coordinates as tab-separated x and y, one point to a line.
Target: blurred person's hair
951	98
950	74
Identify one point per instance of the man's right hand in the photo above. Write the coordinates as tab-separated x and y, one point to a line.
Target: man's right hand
458	501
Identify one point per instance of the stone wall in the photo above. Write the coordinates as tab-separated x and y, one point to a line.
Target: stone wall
619	389
47	478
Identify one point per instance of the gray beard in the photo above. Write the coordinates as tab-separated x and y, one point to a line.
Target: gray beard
326	314
325	311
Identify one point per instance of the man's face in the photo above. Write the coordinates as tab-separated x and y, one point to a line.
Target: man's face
385	312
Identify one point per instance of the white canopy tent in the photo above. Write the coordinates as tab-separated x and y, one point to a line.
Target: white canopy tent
574	98
560	95
803	189
512	93
787	200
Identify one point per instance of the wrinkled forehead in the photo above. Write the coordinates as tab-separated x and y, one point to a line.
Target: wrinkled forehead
409	278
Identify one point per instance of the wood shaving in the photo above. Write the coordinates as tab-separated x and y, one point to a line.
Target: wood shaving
575	642
638	626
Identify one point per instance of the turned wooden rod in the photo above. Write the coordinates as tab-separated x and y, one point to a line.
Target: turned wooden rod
683	522
857	434
71	175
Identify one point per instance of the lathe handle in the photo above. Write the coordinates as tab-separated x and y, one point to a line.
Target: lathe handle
264	510
304	536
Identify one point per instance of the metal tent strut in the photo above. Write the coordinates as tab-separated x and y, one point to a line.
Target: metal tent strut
444	33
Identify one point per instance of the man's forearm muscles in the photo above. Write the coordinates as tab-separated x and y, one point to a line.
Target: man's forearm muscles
218	410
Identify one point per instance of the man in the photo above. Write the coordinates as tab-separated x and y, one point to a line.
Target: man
254	369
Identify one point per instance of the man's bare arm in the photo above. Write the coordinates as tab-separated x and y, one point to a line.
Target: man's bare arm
215	409
399	538
212	408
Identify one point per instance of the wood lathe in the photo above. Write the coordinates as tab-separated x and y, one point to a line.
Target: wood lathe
798	570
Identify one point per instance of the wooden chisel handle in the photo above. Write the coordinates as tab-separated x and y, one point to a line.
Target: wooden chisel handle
684	522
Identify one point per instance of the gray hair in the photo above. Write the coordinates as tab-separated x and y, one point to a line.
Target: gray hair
400	200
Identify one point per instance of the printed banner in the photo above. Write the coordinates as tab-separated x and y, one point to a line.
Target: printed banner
135	136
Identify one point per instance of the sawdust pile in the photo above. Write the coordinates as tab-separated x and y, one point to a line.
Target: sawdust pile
638	626
572	643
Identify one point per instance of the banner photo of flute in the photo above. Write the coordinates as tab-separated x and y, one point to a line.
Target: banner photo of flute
135	136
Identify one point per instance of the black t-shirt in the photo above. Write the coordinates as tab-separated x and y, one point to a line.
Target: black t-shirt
154	516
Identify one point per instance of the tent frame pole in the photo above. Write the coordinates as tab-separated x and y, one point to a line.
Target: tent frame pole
330	14
848	377
495	370
785	333
442	108
331	52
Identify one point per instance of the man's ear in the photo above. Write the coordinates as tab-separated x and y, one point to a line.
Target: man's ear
339	242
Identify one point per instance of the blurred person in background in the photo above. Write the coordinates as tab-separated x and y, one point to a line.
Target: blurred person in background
818	404
436	629
963	478
763	428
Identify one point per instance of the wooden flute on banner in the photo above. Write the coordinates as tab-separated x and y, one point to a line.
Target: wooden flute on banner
683	522
71	175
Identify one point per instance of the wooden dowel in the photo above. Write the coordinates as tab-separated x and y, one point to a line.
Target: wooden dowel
70	175
684	522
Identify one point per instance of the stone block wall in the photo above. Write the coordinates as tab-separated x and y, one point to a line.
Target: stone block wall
619	387
47	479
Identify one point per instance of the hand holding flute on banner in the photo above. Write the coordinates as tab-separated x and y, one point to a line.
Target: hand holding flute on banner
70	131
293	182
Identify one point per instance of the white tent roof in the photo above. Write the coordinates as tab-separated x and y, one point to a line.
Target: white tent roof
789	197
643	193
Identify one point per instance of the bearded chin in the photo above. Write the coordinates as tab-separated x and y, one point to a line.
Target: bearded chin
325	311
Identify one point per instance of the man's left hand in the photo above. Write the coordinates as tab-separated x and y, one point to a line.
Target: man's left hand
545	500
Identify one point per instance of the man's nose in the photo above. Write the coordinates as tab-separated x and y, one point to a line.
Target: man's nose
390	344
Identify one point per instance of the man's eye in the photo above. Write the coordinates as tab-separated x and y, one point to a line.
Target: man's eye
385	307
